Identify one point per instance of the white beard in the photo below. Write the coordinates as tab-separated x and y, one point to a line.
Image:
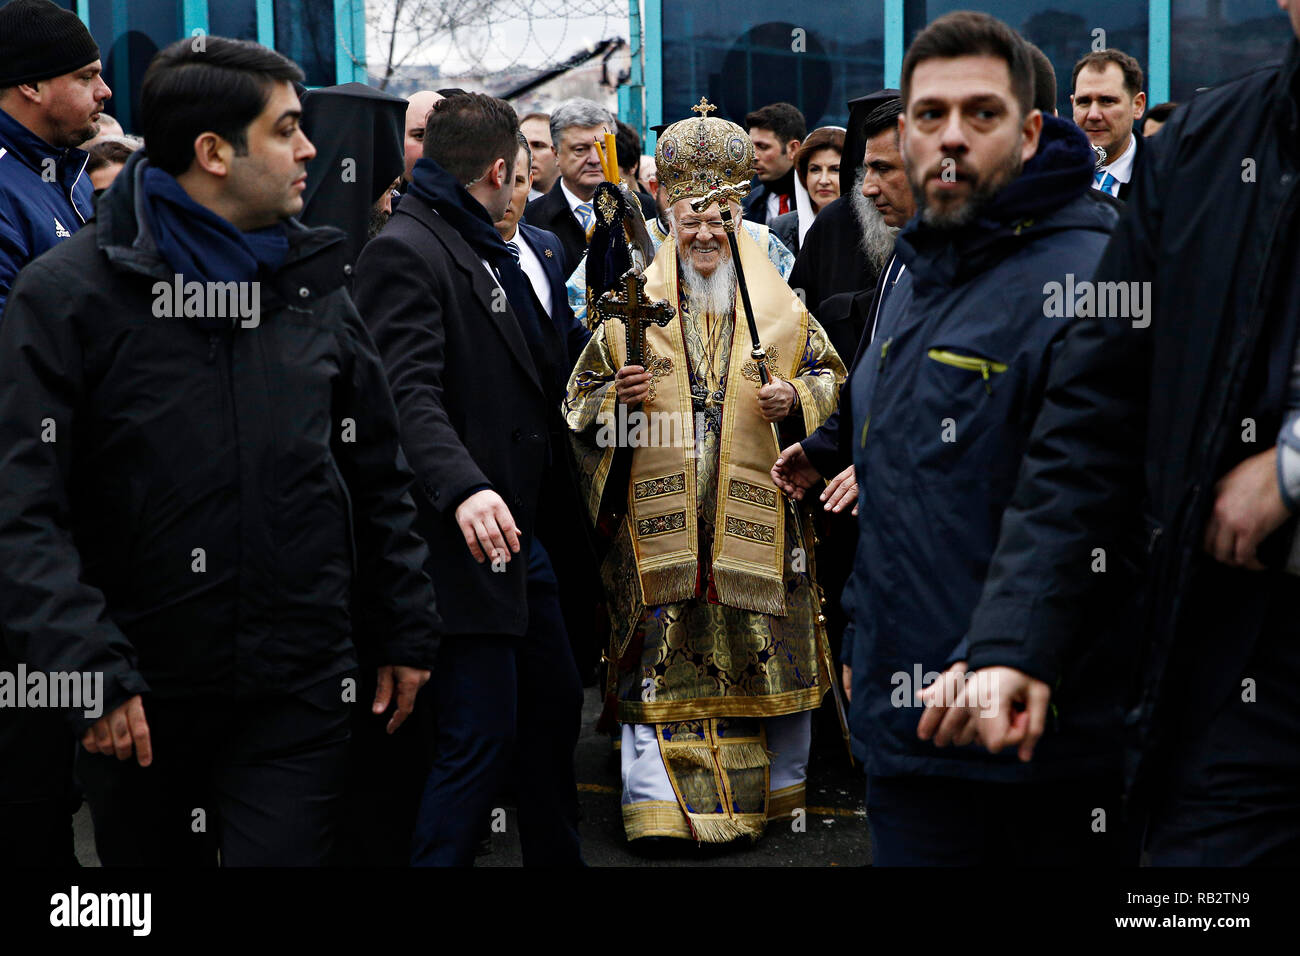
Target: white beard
708	295
875	237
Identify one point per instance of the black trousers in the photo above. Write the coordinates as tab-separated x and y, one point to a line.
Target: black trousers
945	821
1236	794
508	713
261	782
386	776
37	792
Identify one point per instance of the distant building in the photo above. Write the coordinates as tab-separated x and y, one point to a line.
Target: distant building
818	55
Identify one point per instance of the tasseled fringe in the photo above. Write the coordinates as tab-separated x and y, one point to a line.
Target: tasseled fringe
701	756
750	591
736	756
670	584
716	828
744	756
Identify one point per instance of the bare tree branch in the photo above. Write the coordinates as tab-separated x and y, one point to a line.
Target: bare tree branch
409	27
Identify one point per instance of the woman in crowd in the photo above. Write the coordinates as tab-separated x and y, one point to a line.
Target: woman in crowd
818	168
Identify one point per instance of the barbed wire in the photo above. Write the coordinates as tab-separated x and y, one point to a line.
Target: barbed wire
513	38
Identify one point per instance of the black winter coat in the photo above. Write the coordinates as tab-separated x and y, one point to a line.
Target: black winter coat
194	512
1140	420
473	409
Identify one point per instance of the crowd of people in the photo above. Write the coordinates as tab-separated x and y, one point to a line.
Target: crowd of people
345	438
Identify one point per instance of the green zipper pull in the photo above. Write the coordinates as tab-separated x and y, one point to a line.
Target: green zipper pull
984	369
865	426
884	350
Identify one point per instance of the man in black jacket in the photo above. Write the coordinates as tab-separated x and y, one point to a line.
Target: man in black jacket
1151	431
200	470
477	371
776	131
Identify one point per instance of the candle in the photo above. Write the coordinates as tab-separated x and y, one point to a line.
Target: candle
604	160
611	155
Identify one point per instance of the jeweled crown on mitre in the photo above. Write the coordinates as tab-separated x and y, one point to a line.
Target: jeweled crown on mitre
696	155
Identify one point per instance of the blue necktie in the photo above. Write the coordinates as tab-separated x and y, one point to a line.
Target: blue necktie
514	250
586	216
1104	181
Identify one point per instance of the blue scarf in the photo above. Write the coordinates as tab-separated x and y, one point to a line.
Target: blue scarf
200	245
432	184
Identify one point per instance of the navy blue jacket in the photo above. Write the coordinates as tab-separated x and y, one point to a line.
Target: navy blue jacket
943	403
36	213
550	250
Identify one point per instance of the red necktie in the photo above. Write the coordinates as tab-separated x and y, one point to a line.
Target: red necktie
784	206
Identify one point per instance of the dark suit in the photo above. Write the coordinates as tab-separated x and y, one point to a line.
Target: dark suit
1126	188
1139	145
552	213
572	553
476	412
427	299
754	206
550	251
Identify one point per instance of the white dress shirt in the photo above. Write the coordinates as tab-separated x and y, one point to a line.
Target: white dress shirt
532	266
1122	169
573	201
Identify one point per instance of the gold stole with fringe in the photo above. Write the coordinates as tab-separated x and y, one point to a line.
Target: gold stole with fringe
749	543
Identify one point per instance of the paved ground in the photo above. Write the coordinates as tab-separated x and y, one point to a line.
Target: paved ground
834	829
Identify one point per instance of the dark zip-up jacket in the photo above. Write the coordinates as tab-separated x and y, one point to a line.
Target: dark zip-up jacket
943	402
192	512
44	197
1140	423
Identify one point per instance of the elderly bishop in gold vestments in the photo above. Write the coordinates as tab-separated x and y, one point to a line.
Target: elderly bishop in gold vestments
718	650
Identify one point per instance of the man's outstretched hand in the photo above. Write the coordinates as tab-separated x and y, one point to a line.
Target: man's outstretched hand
793	473
121	732
409	680
489	528
1011	710
842	491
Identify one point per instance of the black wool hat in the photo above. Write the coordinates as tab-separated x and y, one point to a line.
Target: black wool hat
40	40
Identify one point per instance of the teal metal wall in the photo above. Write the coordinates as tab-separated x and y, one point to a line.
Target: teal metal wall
1156	65
349	21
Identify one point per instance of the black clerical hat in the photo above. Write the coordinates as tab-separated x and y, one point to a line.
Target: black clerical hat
855	144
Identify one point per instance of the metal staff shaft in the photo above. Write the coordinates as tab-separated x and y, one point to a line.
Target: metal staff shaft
756	352
722	195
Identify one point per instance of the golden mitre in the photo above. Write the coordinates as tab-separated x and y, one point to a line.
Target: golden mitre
696	155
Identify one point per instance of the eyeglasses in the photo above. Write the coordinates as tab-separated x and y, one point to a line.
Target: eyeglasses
695	225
